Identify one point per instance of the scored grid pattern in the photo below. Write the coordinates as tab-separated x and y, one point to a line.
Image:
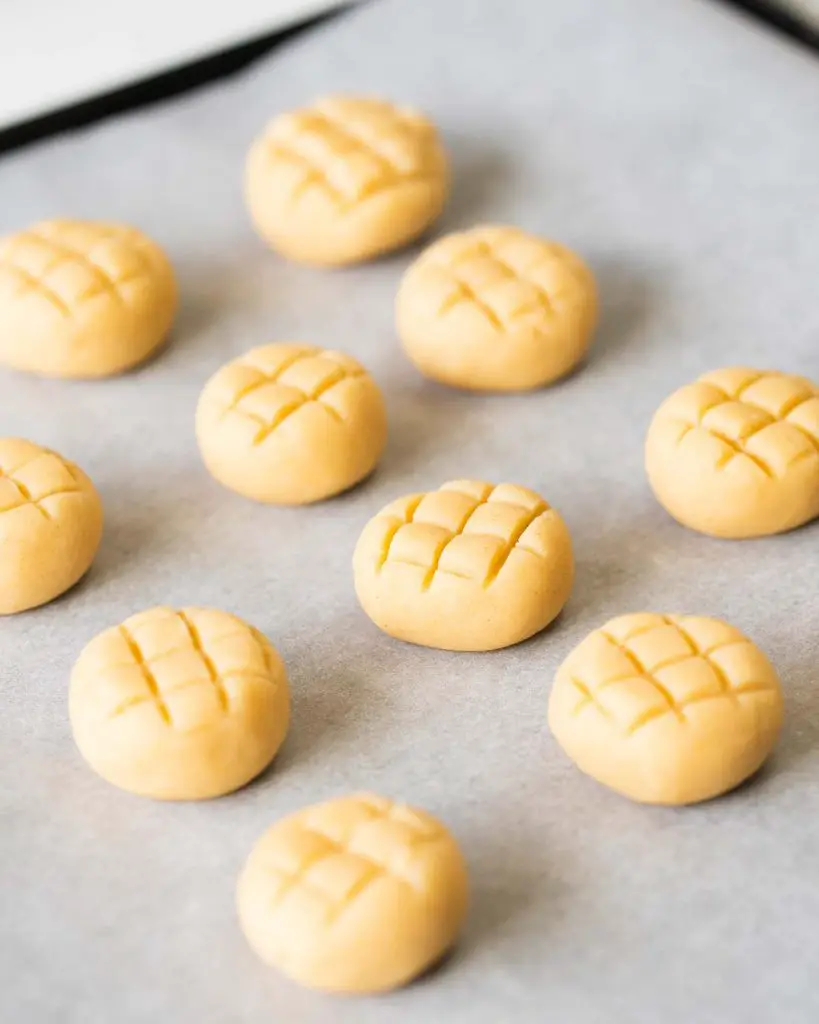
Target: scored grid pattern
23	495
504	546
352	151
759	417
287	399
31	262
486	270
336	897
589	690
150	668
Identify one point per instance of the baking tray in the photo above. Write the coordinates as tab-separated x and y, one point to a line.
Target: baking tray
674	144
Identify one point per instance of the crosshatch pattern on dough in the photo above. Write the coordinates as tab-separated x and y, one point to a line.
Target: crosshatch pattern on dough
31	479
328	856
466	529
289	423
639	668
351	149
273	383
505	275
51	522
472	566
358	894
768	419
187	665
66	264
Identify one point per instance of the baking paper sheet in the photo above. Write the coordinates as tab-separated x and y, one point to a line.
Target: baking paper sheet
675	145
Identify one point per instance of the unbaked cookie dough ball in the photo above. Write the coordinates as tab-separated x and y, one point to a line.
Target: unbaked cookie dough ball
345	179
82	298
355	895
667	709
736	453
496	309
50	524
179	704
291	424
469	567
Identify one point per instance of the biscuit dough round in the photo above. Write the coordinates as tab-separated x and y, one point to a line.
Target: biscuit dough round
50	525
496	309
357	895
291	424
82	298
667	709
179	705
469	567
345	179
736	454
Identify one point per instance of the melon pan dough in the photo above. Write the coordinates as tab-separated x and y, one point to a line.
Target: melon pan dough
496	309
358	894
291	424
345	179
469	567
736	453
50	524
82	298
667	709
179	704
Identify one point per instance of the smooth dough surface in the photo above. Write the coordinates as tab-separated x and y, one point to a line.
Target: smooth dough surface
358	894
50	525
179	704
469	567
496	309
667	709
290	424
345	179
82	298
736	454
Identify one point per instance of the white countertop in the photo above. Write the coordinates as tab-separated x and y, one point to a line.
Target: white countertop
54	53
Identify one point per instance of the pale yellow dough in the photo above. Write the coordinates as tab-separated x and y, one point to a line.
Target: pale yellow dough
496	309
50	525
179	705
345	179
355	895
667	709
82	298
291	424
469	567
736	454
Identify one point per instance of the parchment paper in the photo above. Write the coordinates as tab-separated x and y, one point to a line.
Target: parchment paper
675	145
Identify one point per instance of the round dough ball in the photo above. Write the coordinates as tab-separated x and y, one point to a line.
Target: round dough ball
355	895
291	424
469	567
82	298
736	454
50	525
345	179
179	705
495	309
667	709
